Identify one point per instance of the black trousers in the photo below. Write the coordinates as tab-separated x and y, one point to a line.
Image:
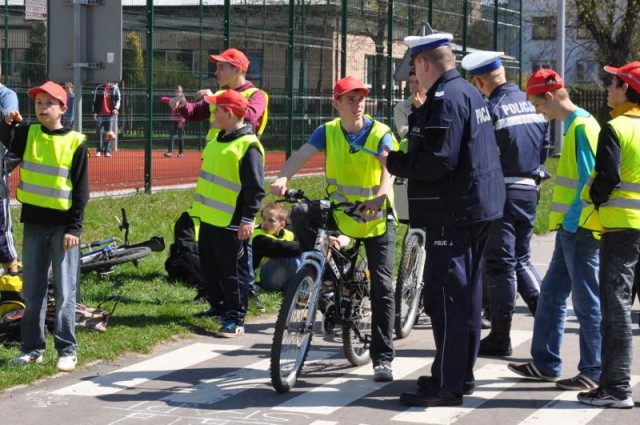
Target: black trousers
224	260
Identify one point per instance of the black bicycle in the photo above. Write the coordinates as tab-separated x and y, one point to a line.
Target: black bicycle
332	280
410	280
102	255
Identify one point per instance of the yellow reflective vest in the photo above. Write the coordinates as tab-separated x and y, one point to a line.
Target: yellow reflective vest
45	171
355	176
622	209
219	183
565	189
213	130
287	236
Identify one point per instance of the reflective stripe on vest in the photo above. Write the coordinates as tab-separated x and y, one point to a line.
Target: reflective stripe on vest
622	209
213	131
355	177
219	183
45	171
565	189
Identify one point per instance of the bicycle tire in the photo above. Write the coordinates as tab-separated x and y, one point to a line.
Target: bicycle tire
356	330
110	259
292	339
409	285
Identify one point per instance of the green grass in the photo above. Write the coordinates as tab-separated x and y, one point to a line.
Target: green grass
152	309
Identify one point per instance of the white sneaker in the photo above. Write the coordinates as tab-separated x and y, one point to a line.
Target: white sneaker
67	363
98	153
107	155
26	359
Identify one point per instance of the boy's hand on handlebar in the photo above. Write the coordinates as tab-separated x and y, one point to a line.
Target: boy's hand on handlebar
245	230
70	241
279	186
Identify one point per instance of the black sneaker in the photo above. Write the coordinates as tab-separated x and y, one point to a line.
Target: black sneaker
577	383
530	371
443	398
230	329
253	296
428	385
382	373
599	397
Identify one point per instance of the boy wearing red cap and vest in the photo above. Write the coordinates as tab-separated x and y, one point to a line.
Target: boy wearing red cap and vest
353	143
614	193
573	269
227	199
54	191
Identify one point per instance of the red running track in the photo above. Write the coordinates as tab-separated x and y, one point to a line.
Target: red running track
124	170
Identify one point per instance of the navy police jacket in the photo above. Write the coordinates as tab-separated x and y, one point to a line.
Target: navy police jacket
453	165
522	134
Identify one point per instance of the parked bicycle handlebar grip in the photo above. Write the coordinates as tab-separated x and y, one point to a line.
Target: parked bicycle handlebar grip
292	194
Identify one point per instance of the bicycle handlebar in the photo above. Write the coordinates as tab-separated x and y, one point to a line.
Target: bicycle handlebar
295	195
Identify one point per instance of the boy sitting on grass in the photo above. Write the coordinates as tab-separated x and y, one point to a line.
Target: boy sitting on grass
275	250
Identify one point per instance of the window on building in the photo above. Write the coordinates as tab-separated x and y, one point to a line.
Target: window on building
544	28
585	70
175	58
542	64
372	75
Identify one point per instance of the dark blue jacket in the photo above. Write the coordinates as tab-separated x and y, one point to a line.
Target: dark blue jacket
522	134
453	165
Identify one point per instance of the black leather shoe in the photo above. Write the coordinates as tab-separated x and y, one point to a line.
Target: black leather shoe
428	385
443	398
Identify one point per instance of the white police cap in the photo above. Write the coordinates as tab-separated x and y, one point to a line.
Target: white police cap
419	43
478	63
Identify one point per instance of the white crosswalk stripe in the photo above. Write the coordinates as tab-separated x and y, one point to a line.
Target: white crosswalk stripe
144	371
332	389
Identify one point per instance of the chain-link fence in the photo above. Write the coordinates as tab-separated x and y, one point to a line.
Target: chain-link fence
297	49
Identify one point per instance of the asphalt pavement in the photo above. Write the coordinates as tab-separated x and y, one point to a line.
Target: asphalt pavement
209	381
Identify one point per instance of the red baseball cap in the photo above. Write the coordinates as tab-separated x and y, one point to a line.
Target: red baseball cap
544	80
230	100
348	84
233	56
55	90
629	73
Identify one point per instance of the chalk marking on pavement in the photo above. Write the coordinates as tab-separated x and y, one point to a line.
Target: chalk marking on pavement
147	370
498	378
566	409
337	393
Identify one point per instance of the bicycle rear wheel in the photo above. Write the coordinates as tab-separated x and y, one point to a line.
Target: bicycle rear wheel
292	337
113	258
409	284
356	330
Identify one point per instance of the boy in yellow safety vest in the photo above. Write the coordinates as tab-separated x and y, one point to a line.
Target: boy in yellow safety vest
353	142
54	191
227	199
275	250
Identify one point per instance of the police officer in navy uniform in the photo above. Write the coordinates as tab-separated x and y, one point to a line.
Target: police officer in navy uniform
456	189
523	140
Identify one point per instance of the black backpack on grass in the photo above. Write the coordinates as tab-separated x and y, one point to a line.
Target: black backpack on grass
183	263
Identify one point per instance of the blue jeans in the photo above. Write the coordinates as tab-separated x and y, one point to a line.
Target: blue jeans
275	273
619	257
42	247
573	271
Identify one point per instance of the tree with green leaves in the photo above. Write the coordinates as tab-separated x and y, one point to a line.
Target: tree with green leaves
132	61
36	54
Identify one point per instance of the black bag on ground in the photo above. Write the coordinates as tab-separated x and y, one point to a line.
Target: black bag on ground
183	263
10	327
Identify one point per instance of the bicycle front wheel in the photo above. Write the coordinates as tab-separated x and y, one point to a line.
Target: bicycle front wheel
292	337
110	259
409	284
356	330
